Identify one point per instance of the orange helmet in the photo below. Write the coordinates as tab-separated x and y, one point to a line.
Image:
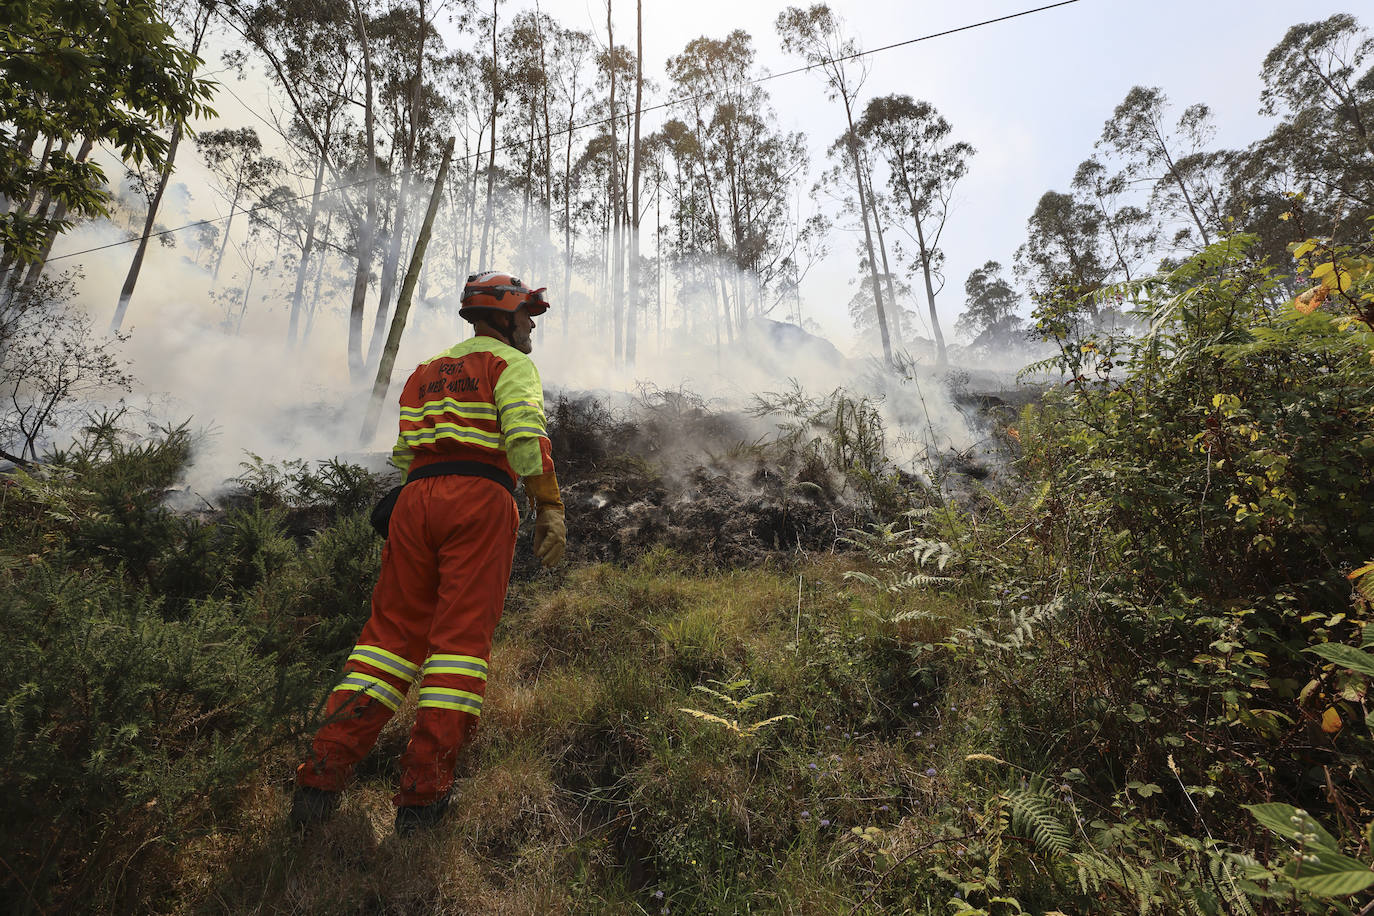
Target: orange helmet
498	292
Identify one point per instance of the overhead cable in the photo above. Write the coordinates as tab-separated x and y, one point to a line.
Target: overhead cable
577	127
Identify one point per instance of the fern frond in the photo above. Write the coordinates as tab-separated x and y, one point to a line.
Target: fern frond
771	720
752	700
1033	817
709	717
724	698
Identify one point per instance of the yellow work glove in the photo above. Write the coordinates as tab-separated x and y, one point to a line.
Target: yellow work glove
550	536
550	532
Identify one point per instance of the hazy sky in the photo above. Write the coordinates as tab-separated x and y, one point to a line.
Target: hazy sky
1030	94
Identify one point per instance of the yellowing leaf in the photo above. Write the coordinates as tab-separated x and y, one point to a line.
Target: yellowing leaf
1310	301
1364	570
1331	721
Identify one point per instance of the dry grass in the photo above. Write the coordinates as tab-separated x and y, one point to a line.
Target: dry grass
584	786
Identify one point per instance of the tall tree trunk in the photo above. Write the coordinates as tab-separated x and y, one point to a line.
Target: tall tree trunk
389	267
243	304
523	245
398	222
617	304
546	243
895	328
941	356
491	160
201	24
302	269
472	210
363	272
126	293
393	338
1183	189
224	243
926	255
567	206
58	214
319	280
635	298
853	143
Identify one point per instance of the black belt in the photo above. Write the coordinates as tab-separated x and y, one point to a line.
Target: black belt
464	469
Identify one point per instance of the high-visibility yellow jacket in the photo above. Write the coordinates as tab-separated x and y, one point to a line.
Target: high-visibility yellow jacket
481	400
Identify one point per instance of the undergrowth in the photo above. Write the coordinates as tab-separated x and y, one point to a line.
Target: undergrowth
1131	679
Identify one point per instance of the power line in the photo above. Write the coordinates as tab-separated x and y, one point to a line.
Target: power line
577	127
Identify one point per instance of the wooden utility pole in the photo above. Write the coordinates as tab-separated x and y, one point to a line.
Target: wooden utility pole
398	321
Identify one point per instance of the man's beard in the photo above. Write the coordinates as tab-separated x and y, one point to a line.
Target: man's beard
522	342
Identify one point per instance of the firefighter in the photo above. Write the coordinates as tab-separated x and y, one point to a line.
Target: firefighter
472	419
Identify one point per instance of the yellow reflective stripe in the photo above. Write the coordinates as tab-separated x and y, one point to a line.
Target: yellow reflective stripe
451	431
374	687
510	404
477	410
524	421
387	661
402	456
448	698
469	665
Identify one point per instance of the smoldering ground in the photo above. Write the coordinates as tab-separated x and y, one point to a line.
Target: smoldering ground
710	444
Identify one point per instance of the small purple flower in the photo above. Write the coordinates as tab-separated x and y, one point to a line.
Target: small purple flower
824	822
658	895
806	814
930	771
827	728
846	734
811	766
919	733
884	808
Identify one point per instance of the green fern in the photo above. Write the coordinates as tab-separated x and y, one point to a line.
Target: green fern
1033	817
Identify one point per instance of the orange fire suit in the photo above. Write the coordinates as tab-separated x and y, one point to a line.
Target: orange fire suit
445	567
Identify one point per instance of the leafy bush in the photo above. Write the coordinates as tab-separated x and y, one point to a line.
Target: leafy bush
1164	613
153	660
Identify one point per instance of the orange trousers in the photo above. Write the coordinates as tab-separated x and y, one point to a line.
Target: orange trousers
442	588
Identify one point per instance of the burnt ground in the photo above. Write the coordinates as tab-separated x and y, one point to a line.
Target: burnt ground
669	472
664	469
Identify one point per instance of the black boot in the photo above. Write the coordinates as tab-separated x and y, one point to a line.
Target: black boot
311	806
412	818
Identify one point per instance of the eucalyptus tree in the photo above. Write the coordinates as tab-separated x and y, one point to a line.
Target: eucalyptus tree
833	185
235	158
636	172
989	319
817	35
530	48
924	167
411	65
1319	79
1172	160
747	164
312	52
611	63
571	57
1127	230
488	25
1061	257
